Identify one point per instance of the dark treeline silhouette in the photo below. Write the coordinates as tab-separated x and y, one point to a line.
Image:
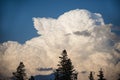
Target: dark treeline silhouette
91	76
31	78
65	71
101	75
20	73
119	76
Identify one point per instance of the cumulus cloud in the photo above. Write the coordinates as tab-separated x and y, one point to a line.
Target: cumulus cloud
88	40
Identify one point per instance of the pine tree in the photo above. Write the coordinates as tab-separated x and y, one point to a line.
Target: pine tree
119	76
56	74
101	75
31	78
20	73
65	69
91	76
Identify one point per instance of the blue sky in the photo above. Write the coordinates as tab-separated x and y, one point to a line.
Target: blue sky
16	15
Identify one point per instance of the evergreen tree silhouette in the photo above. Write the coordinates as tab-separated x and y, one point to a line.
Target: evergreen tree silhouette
31	78
101	75
65	69
119	76
91	76
20	73
57	75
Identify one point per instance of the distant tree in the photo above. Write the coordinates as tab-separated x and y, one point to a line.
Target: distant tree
20	73
91	76
65	69
119	77
31	78
101	75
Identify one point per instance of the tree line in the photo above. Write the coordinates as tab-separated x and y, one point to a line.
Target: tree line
65	71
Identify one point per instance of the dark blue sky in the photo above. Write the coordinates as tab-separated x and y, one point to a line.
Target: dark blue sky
16	15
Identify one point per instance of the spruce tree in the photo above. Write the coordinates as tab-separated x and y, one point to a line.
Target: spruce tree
20	73
119	76
31	78
101	75
57	75
65	69
91	76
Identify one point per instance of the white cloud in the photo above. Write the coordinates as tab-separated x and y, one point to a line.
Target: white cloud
88	53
